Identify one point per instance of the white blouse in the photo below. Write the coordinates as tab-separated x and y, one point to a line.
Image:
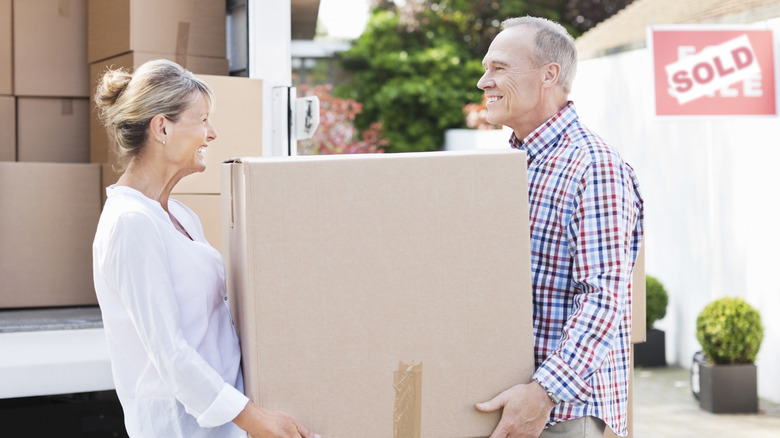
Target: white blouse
174	351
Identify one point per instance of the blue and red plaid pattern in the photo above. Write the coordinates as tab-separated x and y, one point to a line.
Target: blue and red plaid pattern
586	216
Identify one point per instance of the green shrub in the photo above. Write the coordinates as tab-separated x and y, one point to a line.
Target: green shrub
730	331
656	300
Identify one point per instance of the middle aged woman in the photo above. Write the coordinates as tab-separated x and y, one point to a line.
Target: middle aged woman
161	287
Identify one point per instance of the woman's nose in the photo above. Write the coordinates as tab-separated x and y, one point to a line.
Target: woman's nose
212	133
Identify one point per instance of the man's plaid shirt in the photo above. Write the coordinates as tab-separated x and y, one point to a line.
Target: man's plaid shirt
586	228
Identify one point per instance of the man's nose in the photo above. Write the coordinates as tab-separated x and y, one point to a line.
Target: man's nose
485	82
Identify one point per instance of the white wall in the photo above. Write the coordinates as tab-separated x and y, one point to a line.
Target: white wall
711	189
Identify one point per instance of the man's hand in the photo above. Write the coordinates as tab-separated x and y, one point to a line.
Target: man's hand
262	423
526	410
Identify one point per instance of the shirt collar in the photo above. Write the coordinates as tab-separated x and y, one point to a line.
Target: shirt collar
547	134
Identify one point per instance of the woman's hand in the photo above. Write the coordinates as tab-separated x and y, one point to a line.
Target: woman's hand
262	423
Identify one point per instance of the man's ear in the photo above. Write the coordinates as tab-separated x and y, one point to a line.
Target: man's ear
552	73
158	127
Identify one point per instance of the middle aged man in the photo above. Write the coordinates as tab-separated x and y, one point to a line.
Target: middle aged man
586	228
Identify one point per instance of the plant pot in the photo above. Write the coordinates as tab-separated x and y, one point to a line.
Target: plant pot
652	352
728	389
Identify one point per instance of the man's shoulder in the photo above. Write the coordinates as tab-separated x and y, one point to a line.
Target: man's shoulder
590	146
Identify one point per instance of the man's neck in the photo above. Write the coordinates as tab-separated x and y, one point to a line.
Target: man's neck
543	114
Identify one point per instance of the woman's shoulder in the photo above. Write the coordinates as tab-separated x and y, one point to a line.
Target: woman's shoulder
125	202
132	212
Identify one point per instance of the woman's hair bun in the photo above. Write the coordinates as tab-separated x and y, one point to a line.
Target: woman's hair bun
110	86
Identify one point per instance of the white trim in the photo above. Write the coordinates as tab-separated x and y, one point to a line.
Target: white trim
270	60
54	362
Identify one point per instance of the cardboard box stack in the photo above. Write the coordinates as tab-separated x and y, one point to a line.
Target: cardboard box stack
47	222
381	295
51	53
7	103
48	188
50	80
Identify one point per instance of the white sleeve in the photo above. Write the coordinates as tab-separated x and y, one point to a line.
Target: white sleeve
137	267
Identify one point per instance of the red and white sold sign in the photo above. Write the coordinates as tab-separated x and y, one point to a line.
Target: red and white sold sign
706	71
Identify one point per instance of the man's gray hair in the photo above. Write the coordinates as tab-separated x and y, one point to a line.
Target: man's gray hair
552	43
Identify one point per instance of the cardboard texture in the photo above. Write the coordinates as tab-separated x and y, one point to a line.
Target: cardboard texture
638	300
53	129
381	295
8	128
48	219
181	27
98	139
6	48
50	48
207	207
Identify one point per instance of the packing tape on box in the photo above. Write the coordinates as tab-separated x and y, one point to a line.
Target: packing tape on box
64	8
182	43
407	410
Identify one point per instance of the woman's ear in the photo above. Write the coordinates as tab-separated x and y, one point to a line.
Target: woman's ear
158	127
552	73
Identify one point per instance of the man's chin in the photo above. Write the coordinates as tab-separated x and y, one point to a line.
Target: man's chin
494	120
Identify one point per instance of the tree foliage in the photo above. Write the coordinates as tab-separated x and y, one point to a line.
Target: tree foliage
417	65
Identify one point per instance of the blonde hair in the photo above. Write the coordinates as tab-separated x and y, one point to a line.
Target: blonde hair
127	102
552	43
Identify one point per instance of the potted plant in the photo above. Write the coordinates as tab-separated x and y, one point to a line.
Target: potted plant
652	352
730	333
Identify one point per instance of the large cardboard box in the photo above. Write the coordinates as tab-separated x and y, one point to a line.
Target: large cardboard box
8	127
48	220
381	295
99	144
53	129
50	48
6	48
181	27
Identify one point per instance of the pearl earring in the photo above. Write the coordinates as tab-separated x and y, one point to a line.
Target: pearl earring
163	141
